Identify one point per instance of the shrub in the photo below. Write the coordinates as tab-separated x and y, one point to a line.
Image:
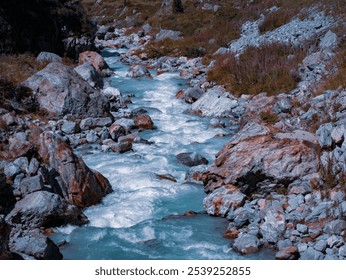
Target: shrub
269	117
269	68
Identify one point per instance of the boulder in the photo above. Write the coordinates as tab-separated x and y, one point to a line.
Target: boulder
324	135
274	225
48	57
191	159
143	122
288	253
246	244
45	209
311	254
223	200
121	147
256	161
214	104
33	244
79	185
69	127
138	71
60	91
94	59
335	227
88	72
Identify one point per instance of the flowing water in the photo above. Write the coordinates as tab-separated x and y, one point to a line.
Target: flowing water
142	218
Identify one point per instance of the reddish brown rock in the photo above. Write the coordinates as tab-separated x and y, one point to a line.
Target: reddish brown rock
289	253
167	177
144	122
94	59
81	185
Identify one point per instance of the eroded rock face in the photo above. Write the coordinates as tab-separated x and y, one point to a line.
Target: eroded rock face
80	185
261	162
60	91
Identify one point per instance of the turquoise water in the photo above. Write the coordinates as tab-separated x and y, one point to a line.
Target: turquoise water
142	218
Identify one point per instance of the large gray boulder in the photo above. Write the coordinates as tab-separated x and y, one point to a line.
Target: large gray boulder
60	91
45	209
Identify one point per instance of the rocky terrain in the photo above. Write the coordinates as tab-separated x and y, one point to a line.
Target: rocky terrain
279	181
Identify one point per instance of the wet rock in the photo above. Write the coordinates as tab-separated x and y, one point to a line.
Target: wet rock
88	72
190	95
138	71
246	244
168	177
311	254
144	122
191	159
90	123
288	253
80	185
223	200
121	147
44	209
116	131
48	57
94	59
32	243
195	173
60	91
69	127
31	184
335	227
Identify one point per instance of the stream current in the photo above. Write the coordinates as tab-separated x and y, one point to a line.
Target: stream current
142	218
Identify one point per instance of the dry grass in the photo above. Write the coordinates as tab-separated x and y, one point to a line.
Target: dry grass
269	68
17	68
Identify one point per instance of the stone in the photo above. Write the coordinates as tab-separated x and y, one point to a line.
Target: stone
33	167
60	91
257	162
88	72
342	251
223	200
69	127
301	135
138	71
32	243
167	34
94	59
79	184
214	104
120	147
338	135
92	137
5	231
320	245
143	122
288	253
191	159
282	244
335	241
324	135
335	227
128	124
44	209
116	131
48	57
311	254
31	184
17	148
302	228
274	225
90	123
195	173
246	244
329	41
167	177
191	95
295	201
